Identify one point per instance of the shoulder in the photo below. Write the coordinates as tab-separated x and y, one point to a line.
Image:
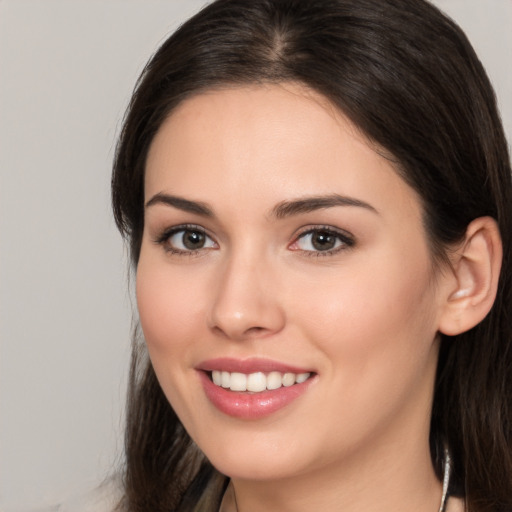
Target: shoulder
103	498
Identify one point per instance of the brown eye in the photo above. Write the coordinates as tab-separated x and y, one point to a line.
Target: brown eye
322	240
193	239
188	239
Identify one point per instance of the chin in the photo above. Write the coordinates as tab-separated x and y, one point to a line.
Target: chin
261	468
258	456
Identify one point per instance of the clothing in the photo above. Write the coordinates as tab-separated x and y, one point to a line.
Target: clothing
228	500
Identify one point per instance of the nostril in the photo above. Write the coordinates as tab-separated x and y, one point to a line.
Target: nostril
255	330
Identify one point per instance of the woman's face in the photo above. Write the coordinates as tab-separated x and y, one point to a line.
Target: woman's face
281	252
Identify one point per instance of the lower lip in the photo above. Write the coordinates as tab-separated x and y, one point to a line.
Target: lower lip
251	406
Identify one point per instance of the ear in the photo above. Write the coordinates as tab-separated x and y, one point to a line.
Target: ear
476	267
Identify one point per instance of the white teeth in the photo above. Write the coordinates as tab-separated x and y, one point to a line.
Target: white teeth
217	377
258	381
226	379
238	382
274	380
302	377
288	379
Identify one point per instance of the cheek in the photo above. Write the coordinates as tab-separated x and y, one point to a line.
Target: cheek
168	308
171	318
376	334
377	312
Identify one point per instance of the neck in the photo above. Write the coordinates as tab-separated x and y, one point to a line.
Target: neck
396	479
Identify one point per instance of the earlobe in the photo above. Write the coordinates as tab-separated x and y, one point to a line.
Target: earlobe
476	266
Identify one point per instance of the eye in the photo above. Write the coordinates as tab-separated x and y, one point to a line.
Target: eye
186	240
320	240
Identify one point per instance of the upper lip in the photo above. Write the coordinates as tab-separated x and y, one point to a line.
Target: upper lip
251	365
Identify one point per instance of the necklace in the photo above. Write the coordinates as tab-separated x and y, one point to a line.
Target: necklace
442	507
446	480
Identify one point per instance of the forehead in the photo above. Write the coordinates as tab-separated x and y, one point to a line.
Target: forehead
267	142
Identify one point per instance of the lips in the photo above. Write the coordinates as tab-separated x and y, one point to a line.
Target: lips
252	388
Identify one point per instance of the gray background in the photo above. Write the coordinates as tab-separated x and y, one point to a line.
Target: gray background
66	72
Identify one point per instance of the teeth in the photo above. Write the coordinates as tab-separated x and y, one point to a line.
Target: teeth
238	382
217	378
225	379
274	380
301	377
288	379
257	382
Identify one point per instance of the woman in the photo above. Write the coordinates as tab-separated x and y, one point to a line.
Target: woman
317	199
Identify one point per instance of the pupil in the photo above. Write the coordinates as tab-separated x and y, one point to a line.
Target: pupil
323	241
193	239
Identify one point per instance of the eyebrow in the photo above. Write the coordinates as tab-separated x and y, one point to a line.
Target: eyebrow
310	204
186	205
280	211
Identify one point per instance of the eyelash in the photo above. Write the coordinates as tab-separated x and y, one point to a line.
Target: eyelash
346	240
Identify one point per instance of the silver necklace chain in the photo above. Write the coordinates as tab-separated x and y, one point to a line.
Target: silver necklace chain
446	480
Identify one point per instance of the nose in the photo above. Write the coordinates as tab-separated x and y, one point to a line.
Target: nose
245	302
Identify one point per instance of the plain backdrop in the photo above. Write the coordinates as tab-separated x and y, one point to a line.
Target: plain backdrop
67	68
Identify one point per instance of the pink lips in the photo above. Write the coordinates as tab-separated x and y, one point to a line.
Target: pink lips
246	405
252	365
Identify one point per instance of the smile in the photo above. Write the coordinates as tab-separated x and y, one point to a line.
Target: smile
254	388
258	381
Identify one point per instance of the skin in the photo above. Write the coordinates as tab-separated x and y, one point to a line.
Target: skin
364	317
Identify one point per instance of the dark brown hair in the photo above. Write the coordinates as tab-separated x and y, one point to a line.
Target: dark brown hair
407	76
